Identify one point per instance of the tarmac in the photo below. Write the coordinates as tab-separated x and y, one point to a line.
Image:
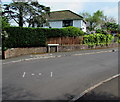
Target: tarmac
107	92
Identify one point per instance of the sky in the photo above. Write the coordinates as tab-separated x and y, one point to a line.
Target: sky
109	7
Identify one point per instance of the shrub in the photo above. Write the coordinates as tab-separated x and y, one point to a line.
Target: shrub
63	32
101	31
97	39
54	32
109	38
118	36
72	31
35	37
89	39
24	37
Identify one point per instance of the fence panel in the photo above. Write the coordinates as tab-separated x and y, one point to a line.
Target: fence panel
65	40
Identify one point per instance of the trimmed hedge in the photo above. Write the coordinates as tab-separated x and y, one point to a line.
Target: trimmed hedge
72	31
35	37
24	37
63	32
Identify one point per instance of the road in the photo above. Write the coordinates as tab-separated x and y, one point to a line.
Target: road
61	77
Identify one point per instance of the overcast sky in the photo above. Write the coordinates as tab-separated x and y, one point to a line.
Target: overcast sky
109	7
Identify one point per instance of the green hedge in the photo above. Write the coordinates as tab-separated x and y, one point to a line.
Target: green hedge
63	32
24	37
118	40
72	31
34	37
98	39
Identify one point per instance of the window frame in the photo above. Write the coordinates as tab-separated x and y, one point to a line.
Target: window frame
66	23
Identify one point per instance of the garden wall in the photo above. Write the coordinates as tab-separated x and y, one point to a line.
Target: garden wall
14	52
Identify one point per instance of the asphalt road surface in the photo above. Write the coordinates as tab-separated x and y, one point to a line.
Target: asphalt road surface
107	92
57	78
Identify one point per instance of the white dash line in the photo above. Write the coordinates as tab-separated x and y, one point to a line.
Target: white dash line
40	73
32	74
24	74
51	74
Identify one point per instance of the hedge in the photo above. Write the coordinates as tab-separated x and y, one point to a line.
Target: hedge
34	37
118	38
24	37
98	39
63	32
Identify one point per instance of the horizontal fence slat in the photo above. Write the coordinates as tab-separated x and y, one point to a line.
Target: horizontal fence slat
65	40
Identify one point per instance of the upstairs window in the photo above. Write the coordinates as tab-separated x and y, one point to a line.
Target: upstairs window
67	23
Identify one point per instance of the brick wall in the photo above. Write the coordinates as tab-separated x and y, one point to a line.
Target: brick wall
13	52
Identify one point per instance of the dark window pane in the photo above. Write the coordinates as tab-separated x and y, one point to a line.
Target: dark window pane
67	23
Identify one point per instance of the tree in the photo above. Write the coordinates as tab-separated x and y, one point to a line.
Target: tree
110	19
26	12
94	20
88	17
98	18
111	27
99	21
39	16
4	22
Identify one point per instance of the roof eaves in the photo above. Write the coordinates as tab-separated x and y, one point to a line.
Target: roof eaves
76	14
63	19
80	17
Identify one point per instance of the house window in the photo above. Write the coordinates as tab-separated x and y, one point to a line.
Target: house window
67	23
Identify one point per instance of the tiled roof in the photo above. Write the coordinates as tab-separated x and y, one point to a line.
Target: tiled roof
63	15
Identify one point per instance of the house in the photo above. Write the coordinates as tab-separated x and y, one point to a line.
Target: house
65	18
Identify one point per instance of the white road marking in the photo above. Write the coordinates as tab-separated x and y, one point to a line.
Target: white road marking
24	74
59	56
40	73
32	74
51	74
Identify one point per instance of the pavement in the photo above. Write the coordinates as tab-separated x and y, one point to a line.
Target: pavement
56	76
107	92
53	55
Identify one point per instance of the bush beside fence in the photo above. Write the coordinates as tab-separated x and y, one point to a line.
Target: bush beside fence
36	37
98	39
39	37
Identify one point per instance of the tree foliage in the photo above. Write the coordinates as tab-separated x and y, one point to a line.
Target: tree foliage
110	27
93	20
26	12
4	22
98	20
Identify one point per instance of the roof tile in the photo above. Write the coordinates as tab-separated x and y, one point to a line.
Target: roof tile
63	15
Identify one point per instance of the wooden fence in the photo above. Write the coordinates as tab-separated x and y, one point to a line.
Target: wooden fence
65	40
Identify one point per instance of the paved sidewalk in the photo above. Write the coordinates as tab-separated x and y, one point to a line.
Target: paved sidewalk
107	92
53	55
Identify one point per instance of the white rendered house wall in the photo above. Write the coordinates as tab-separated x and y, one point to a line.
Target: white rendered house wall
83	26
77	23
56	24
59	24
